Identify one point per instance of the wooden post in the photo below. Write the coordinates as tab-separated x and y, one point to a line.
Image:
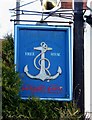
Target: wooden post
78	63
17	11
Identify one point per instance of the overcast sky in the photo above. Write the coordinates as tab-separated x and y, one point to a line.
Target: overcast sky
5	15
5	25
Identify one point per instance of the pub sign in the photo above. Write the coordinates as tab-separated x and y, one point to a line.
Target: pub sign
43	58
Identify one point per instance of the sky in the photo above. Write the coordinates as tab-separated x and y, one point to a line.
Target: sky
7	27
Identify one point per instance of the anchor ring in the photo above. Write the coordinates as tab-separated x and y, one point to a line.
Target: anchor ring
44	45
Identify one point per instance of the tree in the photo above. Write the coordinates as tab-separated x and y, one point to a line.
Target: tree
11	81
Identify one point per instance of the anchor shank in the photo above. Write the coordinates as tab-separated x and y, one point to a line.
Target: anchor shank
42	63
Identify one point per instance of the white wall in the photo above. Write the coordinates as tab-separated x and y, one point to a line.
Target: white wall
91	65
88	66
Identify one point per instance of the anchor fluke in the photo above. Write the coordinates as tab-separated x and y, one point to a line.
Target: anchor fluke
26	68
59	70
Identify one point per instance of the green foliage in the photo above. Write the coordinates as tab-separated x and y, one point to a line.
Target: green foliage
70	111
15	108
8	51
10	79
10	88
37	110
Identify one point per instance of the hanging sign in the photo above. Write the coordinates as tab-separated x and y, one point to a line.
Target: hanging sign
43	57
